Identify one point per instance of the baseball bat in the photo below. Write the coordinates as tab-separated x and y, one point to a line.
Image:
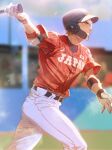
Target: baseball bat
18	9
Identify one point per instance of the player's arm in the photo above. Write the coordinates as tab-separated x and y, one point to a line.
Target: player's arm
95	86
28	25
34	35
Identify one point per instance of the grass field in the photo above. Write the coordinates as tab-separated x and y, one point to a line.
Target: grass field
96	140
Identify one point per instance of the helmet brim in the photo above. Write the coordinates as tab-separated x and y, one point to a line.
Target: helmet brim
94	19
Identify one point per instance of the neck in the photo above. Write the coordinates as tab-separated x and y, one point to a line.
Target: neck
73	47
75	41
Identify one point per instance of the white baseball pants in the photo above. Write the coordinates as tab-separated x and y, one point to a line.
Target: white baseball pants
41	115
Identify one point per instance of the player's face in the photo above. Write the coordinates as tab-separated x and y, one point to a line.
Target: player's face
86	27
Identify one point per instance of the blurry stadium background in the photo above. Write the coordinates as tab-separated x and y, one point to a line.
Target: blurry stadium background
18	65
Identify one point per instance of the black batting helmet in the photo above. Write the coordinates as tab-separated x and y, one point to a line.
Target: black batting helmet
75	16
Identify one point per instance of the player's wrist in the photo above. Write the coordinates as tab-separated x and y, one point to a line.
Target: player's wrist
23	21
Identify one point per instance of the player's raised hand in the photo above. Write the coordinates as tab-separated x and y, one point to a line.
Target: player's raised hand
14	9
106	101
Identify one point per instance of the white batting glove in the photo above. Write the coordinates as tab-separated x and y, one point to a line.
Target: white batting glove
106	100
14	9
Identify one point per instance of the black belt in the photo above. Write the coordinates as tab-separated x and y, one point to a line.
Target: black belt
48	94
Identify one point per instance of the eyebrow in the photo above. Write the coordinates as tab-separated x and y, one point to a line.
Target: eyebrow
88	22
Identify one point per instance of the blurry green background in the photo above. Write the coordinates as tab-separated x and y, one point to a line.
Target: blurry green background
96	140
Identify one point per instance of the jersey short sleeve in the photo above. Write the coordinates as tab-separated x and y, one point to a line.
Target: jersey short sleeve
45	40
50	44
91	64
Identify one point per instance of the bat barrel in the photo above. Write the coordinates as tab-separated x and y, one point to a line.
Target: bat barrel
2	11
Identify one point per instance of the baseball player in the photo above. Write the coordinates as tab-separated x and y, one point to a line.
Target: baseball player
62	58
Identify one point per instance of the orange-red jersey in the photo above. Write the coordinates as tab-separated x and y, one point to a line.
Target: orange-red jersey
60	62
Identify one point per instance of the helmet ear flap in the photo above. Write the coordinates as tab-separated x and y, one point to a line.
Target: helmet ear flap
73	28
